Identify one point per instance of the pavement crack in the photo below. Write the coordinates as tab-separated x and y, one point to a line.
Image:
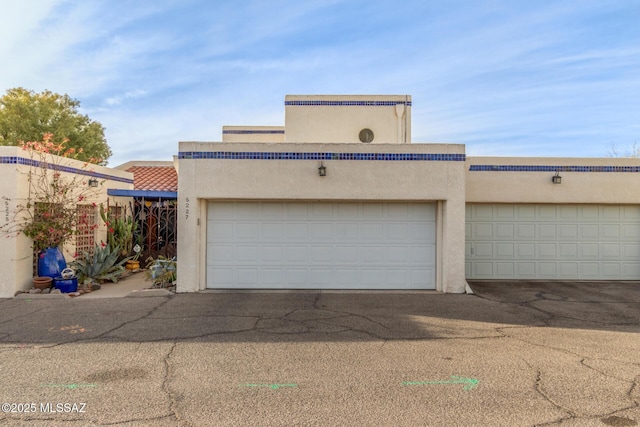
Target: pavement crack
540	391
137	420
129	322
165	384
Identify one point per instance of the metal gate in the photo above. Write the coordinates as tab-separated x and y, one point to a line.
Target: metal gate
157	225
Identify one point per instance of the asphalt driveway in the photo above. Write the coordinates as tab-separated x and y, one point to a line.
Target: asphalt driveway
513	354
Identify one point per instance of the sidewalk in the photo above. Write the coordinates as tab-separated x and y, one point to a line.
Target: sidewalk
124	287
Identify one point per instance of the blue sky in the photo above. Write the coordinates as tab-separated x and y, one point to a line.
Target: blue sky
506	78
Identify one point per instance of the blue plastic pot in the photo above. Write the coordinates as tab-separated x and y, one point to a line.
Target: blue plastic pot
51	262
66	285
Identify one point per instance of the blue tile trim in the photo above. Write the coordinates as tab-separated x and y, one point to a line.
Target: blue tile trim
261	155
68	169
545	168
349	103
252	132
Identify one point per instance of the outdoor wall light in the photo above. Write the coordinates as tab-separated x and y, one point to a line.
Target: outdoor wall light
556	179
93	182
322	170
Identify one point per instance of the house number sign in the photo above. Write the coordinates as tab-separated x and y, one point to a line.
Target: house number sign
186	208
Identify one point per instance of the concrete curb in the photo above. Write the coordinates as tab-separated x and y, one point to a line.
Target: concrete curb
142	293
41	296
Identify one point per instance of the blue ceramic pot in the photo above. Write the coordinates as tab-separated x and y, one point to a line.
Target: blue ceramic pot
51	262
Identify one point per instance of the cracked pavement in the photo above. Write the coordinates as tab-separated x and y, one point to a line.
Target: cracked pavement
543	354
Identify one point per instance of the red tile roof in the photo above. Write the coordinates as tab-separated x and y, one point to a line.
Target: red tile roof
154	178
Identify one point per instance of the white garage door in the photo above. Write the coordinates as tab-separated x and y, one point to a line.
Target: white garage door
323	245
565	242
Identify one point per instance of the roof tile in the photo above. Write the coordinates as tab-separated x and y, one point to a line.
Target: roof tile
154	178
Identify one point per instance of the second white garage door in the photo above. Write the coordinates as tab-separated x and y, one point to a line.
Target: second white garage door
321	245
565	242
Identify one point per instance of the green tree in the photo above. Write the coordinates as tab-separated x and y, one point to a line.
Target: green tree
28	116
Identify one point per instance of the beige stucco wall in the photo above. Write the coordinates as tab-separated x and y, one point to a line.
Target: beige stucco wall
360	180
15	250
536	187
253	134
391	124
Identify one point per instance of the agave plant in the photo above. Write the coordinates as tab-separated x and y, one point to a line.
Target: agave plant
103	264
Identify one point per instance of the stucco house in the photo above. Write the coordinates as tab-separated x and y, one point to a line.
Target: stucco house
16	251
340	198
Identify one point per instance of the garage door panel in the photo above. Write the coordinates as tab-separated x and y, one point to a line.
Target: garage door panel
547	270
547	232
503	212
567	213
272	254
589	212
272	211
570	242
611	270
482	231
568	250
590	270
420	212
505	270
482	250
610	231
247	254
422	255
589	231
525	231
610	250
568	270
526	270
631	251
397	232
525	212
568	231
611	213
224	253
631	232
589	250
321	254
525	250
504	231
505	250
220	231
546	213
296	231
371	231
272	277
420	232
546	250
246	231
483	270
630	270
297	253
346	231
323	245
272	231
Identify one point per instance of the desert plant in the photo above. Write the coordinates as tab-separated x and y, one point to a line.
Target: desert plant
120	232
102	265
162	271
